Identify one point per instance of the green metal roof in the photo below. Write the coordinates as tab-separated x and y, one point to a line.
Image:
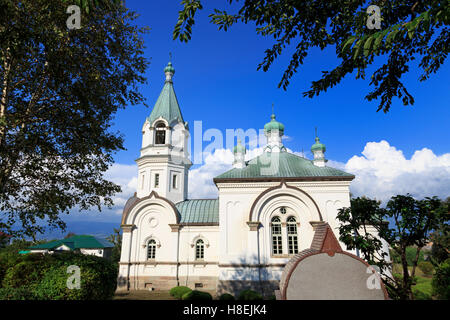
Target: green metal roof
167	105
281	165
75	242
199	211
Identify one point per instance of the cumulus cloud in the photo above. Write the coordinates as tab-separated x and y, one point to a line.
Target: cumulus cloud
201	183
383	171
125	176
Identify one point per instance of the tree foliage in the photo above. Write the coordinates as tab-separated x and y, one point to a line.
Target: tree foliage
116	239
59	91
411	223
44	277
410	29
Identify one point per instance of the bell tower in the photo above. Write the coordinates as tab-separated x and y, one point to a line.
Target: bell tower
164	161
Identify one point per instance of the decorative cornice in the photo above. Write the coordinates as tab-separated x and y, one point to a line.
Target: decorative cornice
175	227
253	225
304	184
127	227
172	263
287	179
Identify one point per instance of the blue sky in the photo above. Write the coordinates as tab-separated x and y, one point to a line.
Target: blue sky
216	81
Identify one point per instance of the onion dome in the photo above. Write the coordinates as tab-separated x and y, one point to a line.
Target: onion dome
318	146
274	125
169	68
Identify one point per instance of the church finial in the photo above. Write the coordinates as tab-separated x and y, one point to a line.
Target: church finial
169	70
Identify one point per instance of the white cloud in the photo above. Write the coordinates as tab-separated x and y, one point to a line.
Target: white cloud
383	171
380	172
201	183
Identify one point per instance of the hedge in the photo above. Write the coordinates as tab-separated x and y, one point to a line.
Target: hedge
441	281
178	292
226	296
45	277
197	295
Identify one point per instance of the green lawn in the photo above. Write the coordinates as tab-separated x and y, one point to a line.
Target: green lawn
422	289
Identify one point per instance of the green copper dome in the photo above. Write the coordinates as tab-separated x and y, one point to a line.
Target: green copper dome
169	68
239	148
274	125
318	146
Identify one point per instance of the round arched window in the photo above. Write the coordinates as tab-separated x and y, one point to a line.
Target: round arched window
151	249
291	225
160	135
199	250
277	241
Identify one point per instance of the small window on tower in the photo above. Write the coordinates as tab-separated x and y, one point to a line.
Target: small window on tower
160	137
157	180
174	182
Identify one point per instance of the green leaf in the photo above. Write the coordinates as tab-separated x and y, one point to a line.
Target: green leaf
348	44
368	46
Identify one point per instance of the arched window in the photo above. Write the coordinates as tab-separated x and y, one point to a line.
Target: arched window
199	250
292	235
151	249
160	135
277	246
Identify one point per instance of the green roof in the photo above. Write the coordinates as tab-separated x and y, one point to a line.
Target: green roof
167	105
199	211
75	242
281	165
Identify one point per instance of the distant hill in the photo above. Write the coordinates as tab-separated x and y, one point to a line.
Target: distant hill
93	228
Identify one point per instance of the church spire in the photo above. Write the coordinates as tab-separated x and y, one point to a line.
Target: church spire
167	107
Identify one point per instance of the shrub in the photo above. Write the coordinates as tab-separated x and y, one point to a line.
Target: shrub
426	267
26	272
178	292
196	295
441	281
46	276
249	295
16	294
411	255
226	296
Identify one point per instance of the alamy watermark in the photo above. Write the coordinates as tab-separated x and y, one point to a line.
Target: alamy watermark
374	280
74	20
74	280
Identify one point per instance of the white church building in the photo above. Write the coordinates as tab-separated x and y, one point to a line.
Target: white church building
265	213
